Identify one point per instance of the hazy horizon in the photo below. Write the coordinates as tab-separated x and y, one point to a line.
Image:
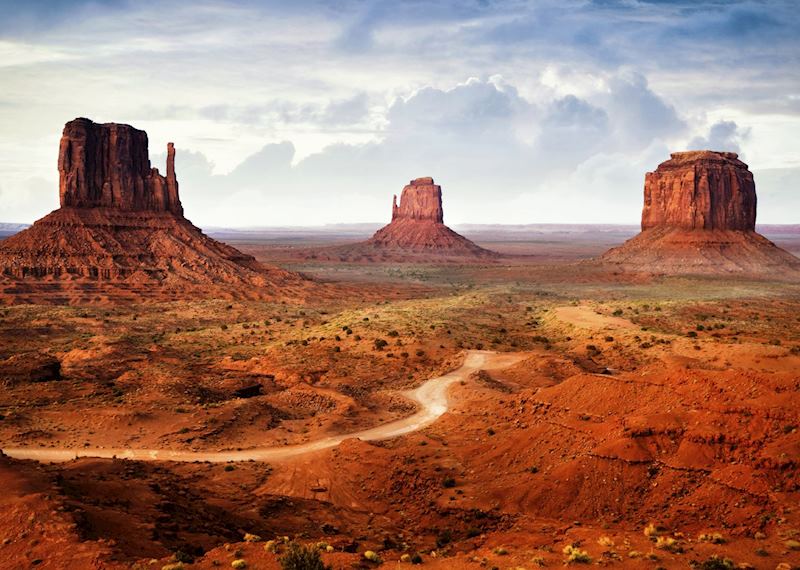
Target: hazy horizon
318	112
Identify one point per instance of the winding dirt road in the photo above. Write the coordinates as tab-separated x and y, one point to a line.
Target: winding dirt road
432	397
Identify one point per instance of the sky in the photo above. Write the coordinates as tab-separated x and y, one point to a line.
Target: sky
316	112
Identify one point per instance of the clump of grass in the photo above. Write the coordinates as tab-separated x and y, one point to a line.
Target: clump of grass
248	537
372	556
500	551
239	564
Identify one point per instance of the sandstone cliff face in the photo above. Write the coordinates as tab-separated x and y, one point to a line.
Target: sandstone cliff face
421	200
700	190
699	217
108	166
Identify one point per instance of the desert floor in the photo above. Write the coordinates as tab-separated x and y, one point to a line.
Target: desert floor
620	420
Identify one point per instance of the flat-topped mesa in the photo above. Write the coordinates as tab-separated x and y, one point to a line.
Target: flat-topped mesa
699	217
108	166
700	190
421	200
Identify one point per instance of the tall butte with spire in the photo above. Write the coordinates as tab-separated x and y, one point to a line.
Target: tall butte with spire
416	232
699	217
120	233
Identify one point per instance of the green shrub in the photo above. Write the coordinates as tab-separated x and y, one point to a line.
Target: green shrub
717	563
712	537
444	538
576	555
301	557
181	556
669	544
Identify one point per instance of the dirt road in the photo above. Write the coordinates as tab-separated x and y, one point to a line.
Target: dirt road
432	397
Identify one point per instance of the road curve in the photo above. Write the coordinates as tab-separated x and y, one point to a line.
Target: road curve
432	397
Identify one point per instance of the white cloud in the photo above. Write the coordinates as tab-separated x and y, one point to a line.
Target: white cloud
722	135
337	104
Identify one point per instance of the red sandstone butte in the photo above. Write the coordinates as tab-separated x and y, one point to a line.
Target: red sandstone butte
700	190
417	226
120	233
108	166
421	200
416	234
699	216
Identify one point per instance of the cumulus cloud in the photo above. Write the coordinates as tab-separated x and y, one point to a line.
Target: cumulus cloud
315	111
491	149
722	135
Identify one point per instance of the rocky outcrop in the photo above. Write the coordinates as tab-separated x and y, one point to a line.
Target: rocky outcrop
107	166
700	190
699	217
120	234
30	367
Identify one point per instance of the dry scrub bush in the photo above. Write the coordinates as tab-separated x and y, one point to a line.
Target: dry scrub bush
576	555
712	537
669	544
605	541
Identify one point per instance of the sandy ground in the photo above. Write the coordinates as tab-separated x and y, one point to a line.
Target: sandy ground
624	403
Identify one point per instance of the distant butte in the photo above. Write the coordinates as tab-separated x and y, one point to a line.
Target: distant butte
416	232
120	233
699	217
